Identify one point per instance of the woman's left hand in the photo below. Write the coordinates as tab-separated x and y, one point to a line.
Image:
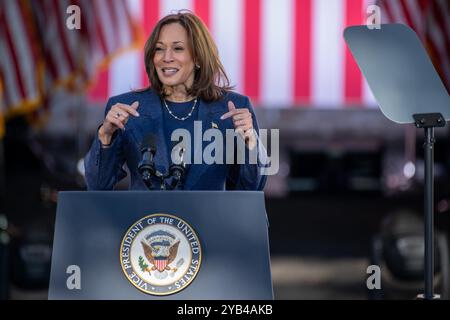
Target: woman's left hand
243	123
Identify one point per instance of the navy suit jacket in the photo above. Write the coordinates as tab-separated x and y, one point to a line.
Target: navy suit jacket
104	166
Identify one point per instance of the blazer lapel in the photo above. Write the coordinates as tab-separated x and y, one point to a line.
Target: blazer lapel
151	123
209	114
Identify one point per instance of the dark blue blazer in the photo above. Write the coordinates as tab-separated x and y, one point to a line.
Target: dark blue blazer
104	166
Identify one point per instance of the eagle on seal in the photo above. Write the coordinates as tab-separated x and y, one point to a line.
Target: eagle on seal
161	256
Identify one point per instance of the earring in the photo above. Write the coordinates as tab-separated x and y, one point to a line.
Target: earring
197	66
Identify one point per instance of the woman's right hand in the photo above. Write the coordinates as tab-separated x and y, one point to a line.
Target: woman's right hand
116	118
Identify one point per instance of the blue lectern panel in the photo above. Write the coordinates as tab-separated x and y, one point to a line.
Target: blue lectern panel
231	227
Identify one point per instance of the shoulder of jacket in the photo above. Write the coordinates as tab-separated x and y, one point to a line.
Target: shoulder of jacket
131	96
238	99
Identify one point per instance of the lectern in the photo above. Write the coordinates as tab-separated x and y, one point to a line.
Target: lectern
161	245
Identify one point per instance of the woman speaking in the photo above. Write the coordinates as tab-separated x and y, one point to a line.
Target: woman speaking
188	87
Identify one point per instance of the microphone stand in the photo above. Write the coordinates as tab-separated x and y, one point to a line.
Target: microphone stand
176	172
428	122
147	168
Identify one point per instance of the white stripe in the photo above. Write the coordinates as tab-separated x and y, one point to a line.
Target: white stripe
125	73
368	97
73	38
171	6
226	27
136	9
22	50
95	48
328	53
54	48
120	81
276	53
396	11
10	84
125	36
106	25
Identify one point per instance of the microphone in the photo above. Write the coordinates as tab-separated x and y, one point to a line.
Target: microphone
178	169
147	166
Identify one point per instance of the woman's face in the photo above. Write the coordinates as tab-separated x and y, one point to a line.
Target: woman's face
173	58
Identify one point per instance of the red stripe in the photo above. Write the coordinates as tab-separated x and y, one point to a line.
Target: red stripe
423	5
41	8
88	20
5	93
202	10
114	24
438	56
151	15
26	16
407	15
436	13
130	24
432	50
353	77
150	19
385	5
100	91
99	29
13	54
27	22
302	51
161	265
251	45
51	64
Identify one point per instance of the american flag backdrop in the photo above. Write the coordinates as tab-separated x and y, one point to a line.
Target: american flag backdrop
431	21
39	53
281	53
20	59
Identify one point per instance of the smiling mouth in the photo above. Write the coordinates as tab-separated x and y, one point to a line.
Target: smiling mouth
169	71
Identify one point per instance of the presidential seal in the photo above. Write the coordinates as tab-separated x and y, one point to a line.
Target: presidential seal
160	254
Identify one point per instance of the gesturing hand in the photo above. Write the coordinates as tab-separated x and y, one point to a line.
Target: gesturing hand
116	118
243	123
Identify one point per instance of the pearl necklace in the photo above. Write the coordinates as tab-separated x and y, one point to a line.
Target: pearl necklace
182	118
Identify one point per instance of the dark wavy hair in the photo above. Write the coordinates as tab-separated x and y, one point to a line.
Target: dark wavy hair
210	80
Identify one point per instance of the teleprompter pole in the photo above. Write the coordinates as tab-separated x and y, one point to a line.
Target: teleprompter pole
428	122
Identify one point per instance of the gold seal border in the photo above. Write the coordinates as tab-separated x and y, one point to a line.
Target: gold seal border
187	282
